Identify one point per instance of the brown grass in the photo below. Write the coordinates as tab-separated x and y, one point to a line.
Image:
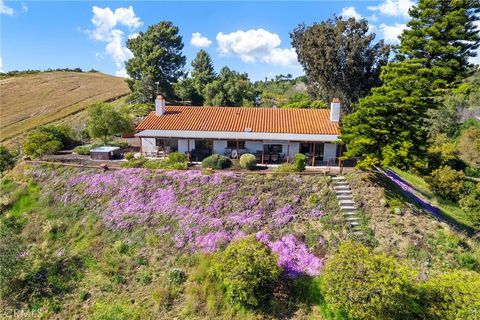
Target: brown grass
29	101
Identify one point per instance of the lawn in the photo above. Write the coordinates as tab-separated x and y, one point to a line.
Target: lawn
449	208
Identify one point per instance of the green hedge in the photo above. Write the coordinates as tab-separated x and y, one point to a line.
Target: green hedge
216	161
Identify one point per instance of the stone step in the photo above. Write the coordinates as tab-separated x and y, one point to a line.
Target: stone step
344	197
348	208
352	219
354	223
341	183
347	202
338	192
341	187
349	214
338	178
358	233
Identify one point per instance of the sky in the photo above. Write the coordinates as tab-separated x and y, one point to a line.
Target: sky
247	36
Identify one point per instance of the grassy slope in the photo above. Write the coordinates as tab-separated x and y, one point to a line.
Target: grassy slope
449	208
28	101
123	272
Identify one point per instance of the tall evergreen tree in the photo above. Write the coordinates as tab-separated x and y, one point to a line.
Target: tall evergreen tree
202	72
340	57
157	57
443	32
388	127
230	89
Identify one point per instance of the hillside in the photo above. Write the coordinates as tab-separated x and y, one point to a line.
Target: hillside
89	244
28	101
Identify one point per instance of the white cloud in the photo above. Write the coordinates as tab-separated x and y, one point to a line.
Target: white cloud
199	41
4	9
24	7
393	8
256	45
107	24
350	12
391	32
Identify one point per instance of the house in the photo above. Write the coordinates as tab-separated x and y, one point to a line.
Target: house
273	135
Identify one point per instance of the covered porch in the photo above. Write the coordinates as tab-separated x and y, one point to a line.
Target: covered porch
319	153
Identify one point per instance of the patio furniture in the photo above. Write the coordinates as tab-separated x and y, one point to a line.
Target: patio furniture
227	152
274	157
266	157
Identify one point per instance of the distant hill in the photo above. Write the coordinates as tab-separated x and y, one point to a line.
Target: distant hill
28	101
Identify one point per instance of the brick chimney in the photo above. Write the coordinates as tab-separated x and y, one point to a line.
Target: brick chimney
159	105
335	110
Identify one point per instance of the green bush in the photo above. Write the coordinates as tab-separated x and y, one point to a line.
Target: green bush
285	167
248	270
216	161
129	156
85	149
369	286
47	140
470	204
7	159
175	276
134	163
248	161
299	162
452	295
176	157
447	183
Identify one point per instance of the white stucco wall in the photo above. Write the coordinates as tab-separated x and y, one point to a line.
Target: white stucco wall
183	145
148	145
329	152
219	146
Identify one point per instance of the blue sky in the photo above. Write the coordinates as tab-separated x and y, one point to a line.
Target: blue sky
247	36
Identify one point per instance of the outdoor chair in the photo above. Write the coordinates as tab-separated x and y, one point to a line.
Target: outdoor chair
274	158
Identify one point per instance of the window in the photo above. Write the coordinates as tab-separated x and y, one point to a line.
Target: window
232	144
305	148
171	144
204	145
272	148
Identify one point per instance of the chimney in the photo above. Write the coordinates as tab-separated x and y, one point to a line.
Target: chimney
159	105
335	110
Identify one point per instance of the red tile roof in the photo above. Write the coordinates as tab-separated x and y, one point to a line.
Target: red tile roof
237	119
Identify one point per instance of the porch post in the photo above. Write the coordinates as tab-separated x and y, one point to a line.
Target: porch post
288	151
340	161
237	149
313	157
188	150
263	151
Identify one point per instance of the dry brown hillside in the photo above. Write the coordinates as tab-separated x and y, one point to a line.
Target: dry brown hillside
28	101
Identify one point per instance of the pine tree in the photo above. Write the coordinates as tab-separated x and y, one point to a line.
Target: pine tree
203	72
157	57
442	32
388	127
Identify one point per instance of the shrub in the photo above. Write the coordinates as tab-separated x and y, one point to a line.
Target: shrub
452	295
47	140
447	183
216	161
369	286
248	161
7	159
175	276
285	167
299	162
129	156
248	270
134	163
176	157
469	147
470	204
85	149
